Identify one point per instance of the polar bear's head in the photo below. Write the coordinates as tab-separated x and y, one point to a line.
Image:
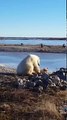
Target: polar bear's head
36	62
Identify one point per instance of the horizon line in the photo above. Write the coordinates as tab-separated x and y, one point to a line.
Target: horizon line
30	37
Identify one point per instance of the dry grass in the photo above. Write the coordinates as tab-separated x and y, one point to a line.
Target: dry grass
62	94
22	104
49	109
49	105
27	105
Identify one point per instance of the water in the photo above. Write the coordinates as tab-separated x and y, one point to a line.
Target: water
51	60
34	42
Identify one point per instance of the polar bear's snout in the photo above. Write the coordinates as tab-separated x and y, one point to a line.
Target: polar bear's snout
38	64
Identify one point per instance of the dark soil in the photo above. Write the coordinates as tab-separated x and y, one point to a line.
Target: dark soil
24	104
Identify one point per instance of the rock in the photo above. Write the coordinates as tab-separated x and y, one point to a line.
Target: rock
20	82
64	45
63	87
42	81
55	79
39	83
30	85
45	70
61	73
45	76
53	85
45	80
5	107
42	45
40	89
22	44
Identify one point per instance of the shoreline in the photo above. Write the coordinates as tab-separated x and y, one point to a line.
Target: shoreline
33	48
7	69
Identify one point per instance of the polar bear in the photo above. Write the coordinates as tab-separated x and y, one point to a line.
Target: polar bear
29	65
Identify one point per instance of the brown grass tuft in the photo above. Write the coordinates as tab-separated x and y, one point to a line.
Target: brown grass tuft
49	109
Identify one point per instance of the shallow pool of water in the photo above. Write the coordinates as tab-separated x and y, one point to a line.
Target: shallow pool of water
34	42
51	60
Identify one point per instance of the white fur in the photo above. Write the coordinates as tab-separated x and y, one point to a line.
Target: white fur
29	65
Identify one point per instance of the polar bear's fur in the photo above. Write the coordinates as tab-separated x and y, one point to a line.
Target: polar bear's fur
29	65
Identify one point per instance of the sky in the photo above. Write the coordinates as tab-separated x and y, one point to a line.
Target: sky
33	18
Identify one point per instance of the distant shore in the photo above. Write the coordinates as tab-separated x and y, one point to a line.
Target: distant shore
32	38
33	48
